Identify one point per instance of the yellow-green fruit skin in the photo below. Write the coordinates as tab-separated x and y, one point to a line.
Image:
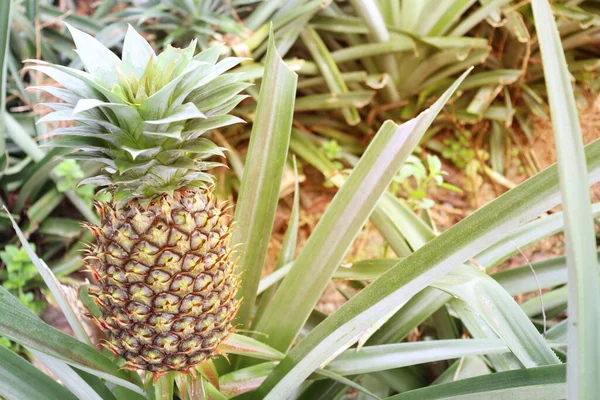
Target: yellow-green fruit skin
166	281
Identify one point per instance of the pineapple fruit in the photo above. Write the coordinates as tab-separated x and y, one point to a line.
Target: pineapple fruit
166	279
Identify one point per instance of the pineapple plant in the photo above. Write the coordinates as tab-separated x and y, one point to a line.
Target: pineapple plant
306	354
166	278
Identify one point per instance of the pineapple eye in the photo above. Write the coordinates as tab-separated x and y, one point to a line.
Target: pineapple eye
181	282
116	251
200	218
211	302
198	239
184	324
209	261
140	292
158	276
147	248
178	218
136	268
167	340
194	342
161	322
210	342
130	342
205	324
143	331
152	355
118	294
190	262
165	301
202	282
176	361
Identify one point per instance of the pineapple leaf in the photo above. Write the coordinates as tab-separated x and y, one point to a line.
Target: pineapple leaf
349	210
215	94
201	145
247	346
63	94
546	382
71	379
72	84
219	68
210	55
181	113
79	82
99	180
99	61
137	52
168	135
84	142
227	106
472	235
21	325
263	172
53	284
89	104
581	246
21	380
57	116
197	127
83	131
146	153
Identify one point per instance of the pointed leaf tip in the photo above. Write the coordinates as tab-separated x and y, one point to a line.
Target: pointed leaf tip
97	59
137	52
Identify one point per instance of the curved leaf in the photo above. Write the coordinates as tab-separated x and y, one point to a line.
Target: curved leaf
582	261
423	267
21	380
19	324
542	383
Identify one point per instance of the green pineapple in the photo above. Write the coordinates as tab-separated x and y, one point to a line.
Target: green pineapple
162	259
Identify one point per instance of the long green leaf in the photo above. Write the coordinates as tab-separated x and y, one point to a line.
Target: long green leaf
244	345
480	329
329	70
21	380
370	13
54	285
164	386
30	147
4	49
584	279
495	306
524	237
68	377
340	224
389	356
288	248
19	324
548	273
484	295
423	267
263	171
542	383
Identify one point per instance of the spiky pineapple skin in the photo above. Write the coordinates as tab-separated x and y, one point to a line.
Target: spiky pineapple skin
166	280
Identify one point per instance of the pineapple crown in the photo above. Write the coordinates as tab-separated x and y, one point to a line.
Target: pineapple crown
143	115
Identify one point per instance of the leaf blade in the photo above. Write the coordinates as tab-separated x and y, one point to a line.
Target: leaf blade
348	211
263	172
582	262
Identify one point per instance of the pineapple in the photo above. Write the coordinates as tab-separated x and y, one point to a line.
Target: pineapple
162	259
